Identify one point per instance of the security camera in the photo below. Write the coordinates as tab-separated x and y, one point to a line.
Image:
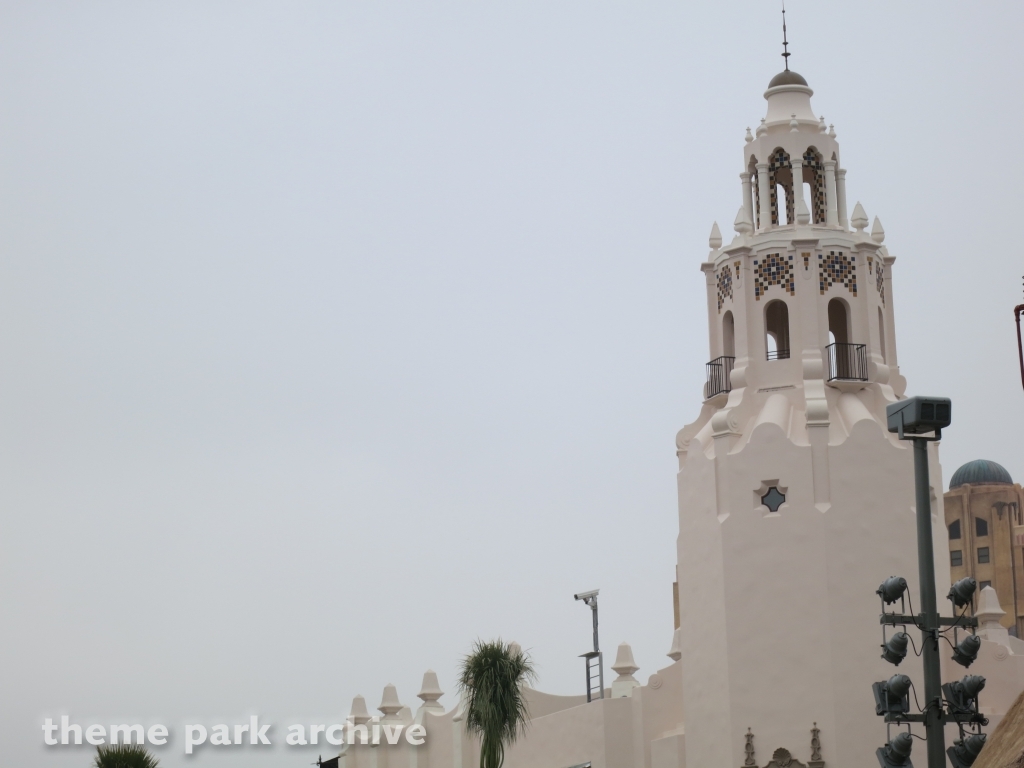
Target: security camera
586	595
918	415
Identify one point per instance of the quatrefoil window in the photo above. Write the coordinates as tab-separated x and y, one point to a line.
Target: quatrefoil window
773	499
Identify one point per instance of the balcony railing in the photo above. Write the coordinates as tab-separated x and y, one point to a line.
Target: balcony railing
847	362
719	370
778	354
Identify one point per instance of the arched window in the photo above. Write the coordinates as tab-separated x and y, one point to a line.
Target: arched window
728	335
814	177
776	329
980	527
881	336
954	530
838	322
780	174
755	189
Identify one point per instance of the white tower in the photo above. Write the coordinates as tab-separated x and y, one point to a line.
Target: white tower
795	503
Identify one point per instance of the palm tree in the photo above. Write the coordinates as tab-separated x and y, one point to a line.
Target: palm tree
491	685
124	756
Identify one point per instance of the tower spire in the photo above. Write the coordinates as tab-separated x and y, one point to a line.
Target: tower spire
785	43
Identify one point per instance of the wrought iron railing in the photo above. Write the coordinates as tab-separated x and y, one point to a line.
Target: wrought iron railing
719	371
778	354
848	362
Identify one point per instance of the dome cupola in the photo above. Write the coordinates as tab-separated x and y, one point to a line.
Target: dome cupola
787	77
980	472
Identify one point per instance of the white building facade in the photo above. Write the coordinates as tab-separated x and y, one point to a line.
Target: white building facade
795	503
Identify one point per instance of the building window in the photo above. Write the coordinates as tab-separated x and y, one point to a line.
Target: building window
980	527
985	584
956	558
773	499
954	529
982	554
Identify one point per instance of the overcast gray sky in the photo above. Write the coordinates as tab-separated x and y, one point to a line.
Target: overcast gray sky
336	335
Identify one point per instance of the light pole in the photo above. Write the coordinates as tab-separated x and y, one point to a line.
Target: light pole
921	420
594	659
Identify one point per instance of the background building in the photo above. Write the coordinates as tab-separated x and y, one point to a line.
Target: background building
986	534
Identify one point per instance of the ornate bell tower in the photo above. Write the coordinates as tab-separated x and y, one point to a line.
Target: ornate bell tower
795	503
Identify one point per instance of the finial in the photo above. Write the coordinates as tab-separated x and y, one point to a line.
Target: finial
803	216
743	225
762	129
794	126
860	218
877	233
430	691
676	651
715	240
624	665
359	713
785	43
822	128
831	131
749	137
390	705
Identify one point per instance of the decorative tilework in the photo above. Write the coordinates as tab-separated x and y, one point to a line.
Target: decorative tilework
773	269
880	280
812	160
837	269
779	160
724	286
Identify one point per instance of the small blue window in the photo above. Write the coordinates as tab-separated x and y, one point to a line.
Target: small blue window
773	499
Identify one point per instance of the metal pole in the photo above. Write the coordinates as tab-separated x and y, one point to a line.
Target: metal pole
593	607
1020	350
933	725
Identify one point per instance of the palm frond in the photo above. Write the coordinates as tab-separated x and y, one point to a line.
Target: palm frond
124	756
491	683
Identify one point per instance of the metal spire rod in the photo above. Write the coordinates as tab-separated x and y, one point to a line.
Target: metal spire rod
785	43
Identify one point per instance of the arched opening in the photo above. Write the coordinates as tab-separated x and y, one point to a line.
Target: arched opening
881	336
814	178
728	335
846	360
755	193
776	327
838	322
780	182
782	192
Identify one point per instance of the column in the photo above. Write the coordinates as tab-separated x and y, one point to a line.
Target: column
766	198
748	197
832	217
841	196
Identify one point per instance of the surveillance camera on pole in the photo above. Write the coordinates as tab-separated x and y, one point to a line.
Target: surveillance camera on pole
594	659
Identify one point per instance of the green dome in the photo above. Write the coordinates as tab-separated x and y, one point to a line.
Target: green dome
980	472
